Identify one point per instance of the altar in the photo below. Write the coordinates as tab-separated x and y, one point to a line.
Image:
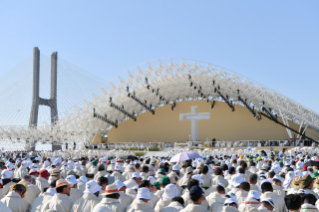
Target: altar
43	147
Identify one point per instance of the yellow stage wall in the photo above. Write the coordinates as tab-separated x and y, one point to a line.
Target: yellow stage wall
224	124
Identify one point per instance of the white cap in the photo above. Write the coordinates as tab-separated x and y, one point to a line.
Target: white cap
34	165
51	191
270	201
176	168
92	187
302	191
197	177
143	193
118	168
298	173
84	179
232	195
6	174
170	191
71	179
119	184
10	166
253	194
78	164
113	161
70	163
46	164
221	184
152	179
230	201
24	164
237	179
287	163
277	177
136	175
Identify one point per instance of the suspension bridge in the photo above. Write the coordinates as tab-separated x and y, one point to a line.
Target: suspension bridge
83	105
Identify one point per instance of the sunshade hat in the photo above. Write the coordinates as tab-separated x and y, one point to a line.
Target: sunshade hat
111	189
305	181
21	183
62	182
295	182
316	183
143	193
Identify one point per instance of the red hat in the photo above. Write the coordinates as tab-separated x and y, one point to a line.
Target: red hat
44	173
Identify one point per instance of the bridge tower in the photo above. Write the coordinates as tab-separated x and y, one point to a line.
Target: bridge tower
36	99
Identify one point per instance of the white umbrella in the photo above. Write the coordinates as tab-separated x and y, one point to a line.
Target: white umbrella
184	156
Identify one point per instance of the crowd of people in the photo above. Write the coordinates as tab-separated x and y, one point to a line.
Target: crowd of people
221	183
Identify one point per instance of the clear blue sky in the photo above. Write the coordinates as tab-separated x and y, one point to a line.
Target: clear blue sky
274	42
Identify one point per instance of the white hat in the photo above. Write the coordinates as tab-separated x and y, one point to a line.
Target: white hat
10	166
117	168
71	179
197	177
152	179
78	164
51	191
34	165
231	195
236	180
298	173
176	168
84	179
170	191
136	175
287	163
70	163
113	161
253	194
221	184
24	164
92	187
302	191
230	201
119	184
262	182
270	201
46	164
143	193
64	163
6	174
104	160
277	177
262	176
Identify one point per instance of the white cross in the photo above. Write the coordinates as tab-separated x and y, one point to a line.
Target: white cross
194	116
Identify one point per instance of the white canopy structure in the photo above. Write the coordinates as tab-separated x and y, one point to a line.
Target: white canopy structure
155	84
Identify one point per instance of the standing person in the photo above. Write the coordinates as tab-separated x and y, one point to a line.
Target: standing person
61	201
